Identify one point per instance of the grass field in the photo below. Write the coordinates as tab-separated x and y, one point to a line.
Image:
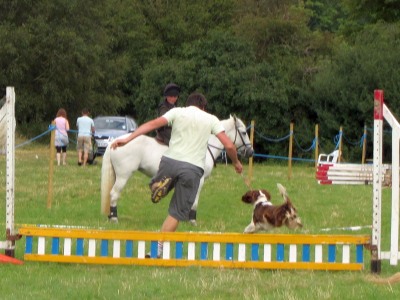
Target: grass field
76	201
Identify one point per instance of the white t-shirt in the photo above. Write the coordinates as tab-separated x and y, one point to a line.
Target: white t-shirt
191	129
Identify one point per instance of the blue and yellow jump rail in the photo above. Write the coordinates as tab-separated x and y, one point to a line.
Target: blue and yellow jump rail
219	250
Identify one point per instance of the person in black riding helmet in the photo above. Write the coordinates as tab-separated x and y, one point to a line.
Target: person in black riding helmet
171	95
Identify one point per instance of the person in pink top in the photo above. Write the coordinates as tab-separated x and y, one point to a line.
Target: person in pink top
61	137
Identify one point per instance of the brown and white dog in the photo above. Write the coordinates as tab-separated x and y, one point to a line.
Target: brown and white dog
267	216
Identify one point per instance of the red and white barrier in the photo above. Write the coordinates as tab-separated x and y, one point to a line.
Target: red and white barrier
338	173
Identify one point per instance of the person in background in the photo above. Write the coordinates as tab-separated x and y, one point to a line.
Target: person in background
61	137
182	164
171	95
86	128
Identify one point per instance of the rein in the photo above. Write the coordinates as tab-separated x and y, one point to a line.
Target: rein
212	155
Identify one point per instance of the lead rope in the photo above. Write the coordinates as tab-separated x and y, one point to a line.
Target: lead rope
246	181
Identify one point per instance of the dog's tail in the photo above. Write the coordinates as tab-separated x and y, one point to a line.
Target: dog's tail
282	191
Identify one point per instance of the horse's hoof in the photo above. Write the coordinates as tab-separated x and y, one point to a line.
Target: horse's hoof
193	222
113	219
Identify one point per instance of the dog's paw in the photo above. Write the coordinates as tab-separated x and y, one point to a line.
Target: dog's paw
250	229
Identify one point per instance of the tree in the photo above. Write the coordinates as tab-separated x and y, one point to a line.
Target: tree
343	89
325	15
70	54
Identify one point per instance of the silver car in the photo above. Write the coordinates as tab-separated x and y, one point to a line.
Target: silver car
110	127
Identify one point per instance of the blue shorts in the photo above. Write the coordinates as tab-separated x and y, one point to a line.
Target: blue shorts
186	180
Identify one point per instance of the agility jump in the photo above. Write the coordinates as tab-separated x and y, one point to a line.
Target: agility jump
219	250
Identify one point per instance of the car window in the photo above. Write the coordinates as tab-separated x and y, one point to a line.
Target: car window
110	124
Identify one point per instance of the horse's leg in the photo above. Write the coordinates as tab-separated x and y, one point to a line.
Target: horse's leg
193	211
114	196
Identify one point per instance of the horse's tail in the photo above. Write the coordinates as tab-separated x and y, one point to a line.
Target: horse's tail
107	181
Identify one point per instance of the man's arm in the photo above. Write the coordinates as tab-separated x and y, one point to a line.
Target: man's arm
230	150
142	129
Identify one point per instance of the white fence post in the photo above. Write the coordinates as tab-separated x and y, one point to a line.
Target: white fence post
8	116
382	112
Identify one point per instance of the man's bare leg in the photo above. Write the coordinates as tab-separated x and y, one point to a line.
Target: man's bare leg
79	157
170	224
85	158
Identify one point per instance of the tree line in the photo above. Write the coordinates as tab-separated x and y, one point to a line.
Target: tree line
272	61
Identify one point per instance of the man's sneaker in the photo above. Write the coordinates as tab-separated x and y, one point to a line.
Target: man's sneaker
160	189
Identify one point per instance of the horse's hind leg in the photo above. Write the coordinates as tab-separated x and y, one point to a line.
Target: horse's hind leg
193	211
114	196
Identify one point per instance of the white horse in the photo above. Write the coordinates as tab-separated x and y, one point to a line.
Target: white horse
144	154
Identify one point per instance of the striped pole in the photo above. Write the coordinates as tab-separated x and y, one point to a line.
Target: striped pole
377	182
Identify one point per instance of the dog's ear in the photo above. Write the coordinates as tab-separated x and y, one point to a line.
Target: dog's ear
267	194
250	196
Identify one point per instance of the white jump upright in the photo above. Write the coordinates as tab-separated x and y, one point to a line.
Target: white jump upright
8	121
381	112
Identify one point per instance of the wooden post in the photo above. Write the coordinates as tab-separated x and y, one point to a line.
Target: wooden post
364	150
290	151
316	145
340	144
51	167
250	175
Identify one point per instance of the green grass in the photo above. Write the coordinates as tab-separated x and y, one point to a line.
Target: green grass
76	201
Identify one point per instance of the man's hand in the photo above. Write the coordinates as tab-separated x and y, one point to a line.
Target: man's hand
118	143
238	167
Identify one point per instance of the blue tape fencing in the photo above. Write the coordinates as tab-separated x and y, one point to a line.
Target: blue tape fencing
284	139
340	137
48	131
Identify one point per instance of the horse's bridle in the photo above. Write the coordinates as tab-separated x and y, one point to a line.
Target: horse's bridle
237	132
241	137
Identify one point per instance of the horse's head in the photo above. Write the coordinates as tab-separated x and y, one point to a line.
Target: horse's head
238	134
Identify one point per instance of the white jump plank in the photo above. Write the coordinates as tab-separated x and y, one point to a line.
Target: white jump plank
191	250
67	246
216	251
92	248
141	249
242	252
117	249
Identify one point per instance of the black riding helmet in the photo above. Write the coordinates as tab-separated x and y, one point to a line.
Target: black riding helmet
172	89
